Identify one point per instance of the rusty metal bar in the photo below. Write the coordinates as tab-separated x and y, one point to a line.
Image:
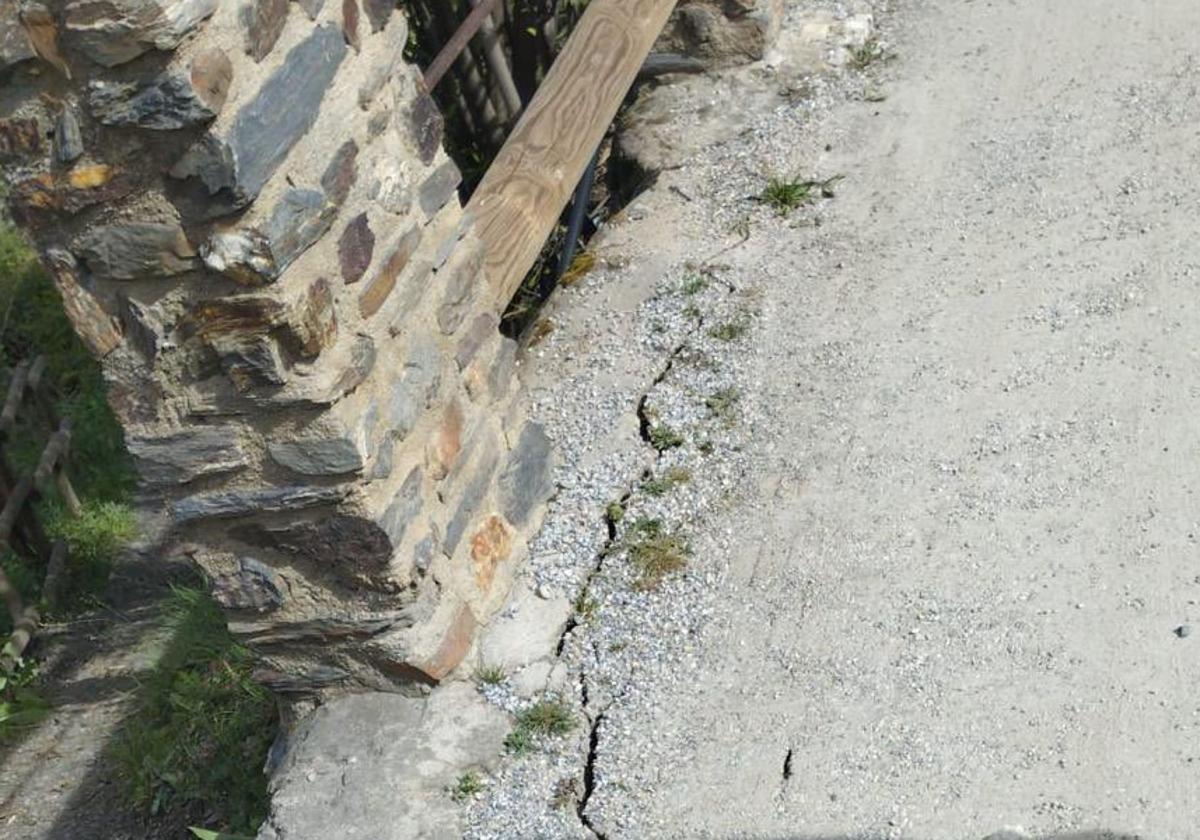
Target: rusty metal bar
457	43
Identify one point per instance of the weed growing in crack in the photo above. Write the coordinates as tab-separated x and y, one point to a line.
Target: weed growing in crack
549	716
722	403
694	284
870	52
693	312
663	437
731	330
586	606
467	786
654	552
566	793
667	481
490	675
784	195
614	513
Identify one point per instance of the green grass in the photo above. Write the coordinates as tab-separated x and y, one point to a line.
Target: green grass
722	403
203	726
490	675
466	787
614	512
548	717
693	284
21	705
730	330
94	539
870	52
667	482
784	195
663	437
654	552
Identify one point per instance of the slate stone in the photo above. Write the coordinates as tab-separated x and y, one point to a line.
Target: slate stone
253	586
437	189
355	550
99	331
312	8
350	24
381	467
14	44
251	362
460	279
301	217
528	477
35	200
341	173
378	12
263	21
425	551
68	140
318	456
356	246
404	508
167	102
187	455
390	188
19	137
307	682
362	362
412	393
242	316
144	330
426	126
321	631
471	497
136	250
482	327
384	280
112	32
501	374
449	243
230	503
265	129
317	325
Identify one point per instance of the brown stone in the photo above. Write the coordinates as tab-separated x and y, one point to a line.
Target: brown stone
211	75
43	35
454	645
98	330
67	192
447	441
136	250
491	546
19	137
356	245
425	126
341	173
264	20
250	315
350	24
317	324
381	285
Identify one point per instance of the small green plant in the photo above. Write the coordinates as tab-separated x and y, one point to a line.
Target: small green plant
548	716
693	284
784	195
21	705
654	552
519	741
490	675
203	725
615	512
663	437
730	330
667	481
94	539
586	606
866	54
466	787
722	403
693	312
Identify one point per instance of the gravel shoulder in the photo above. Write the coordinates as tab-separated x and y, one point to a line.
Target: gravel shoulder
943	548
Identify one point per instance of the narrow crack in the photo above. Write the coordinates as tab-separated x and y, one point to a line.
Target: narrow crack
589	778
787	765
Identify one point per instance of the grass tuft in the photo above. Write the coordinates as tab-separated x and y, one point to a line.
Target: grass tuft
723	402
549	716
870	52
667	481
490	675
654	552
466	787
663	437
730	330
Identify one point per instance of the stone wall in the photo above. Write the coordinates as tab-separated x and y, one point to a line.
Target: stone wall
247	209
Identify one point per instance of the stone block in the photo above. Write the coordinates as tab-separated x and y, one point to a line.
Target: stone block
98	330
405	507
317	324
251	362
171	100
352	549
528	477
471	491
14	43
526	632
145	330
136	250
111	32
257	256
438	188
341	173
252	585
412	392
501	372
380	286
186	455
350	24
243	156
312	8
242	255
426	126
68	139
320	455
20	137
34	200
379	12
356	246
483	326
447	441
460	279
233	503
263	22
491	545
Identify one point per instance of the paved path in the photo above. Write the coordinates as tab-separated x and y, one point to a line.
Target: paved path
957	610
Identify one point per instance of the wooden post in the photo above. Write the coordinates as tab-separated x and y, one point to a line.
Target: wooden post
525	189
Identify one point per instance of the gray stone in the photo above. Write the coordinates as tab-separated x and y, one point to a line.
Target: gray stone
68	141
378	765
229	503
187	455
244	255
319	456
264	130
301	217
341	173
14	44
381	467
526	632
472	494
460	279
436	189
111	32
136	250
354	550
263	21
253	586
362	361
425	125
405	507
251	362
356	246
307	682
317	630
501	374
413	391
164	103
379	12
426	550
450	243
482	327
312	8
144	330
528	477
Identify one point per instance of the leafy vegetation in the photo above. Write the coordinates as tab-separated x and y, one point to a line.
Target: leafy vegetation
665	483
467	786
730	330
203	726
548	716
654	552
663	437
723	402
787	194
490	675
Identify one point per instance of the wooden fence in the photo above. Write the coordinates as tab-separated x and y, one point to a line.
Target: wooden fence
20	530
